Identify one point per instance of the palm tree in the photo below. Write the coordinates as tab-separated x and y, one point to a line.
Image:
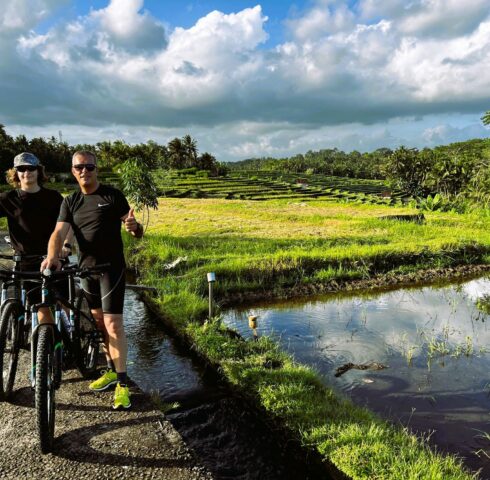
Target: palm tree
176	153
190	148
486	118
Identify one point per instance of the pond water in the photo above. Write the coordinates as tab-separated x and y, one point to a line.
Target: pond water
227	437
434	342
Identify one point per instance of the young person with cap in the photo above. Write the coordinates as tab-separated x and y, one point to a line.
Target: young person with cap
95	213
31	212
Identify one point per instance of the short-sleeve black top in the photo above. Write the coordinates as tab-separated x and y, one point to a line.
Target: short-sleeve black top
96	222
31	218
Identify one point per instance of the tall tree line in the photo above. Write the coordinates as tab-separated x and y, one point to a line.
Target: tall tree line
55	155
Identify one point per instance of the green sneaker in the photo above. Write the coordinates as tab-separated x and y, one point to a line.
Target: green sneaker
107	379
121	398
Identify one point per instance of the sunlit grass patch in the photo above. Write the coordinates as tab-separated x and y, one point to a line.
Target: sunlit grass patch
269	245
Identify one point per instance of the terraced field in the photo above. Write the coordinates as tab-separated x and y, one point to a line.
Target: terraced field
272	185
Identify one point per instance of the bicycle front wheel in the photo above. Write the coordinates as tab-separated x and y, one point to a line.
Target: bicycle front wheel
45	386
86	338
10	339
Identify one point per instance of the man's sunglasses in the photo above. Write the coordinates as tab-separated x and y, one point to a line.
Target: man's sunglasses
90	167
26	168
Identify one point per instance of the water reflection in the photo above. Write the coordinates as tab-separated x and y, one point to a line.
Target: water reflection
227	436
154	361
434	341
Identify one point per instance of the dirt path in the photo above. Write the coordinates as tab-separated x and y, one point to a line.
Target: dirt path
92	440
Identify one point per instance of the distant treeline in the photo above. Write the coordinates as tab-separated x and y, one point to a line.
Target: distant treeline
179	153
458	172
327	161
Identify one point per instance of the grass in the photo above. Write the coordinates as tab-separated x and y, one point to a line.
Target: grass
278	244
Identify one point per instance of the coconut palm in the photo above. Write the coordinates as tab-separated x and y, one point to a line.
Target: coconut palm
177	153
190	148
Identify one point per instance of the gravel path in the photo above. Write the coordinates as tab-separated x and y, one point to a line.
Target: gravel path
91	440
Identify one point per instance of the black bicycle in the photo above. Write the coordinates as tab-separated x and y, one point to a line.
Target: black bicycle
73	340
14	321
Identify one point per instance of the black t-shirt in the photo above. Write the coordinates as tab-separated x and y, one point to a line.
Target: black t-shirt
96	222
31	218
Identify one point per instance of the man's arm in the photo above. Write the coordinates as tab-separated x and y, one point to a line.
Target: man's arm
131	225
67	243
54	246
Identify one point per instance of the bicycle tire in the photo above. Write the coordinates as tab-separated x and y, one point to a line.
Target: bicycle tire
86	342
10	338
45	387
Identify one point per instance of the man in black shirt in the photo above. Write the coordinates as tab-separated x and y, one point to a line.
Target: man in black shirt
95	213
31	212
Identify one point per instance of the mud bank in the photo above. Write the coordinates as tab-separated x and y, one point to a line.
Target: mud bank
385	281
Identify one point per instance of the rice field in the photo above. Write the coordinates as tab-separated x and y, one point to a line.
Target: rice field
261	186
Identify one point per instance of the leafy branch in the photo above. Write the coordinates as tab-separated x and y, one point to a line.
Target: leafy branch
139	186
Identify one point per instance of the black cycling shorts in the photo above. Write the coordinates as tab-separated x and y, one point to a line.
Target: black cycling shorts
106	290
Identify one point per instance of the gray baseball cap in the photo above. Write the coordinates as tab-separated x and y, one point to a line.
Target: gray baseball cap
26	158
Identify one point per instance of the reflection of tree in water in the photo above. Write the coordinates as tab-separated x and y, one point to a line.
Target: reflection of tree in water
483	304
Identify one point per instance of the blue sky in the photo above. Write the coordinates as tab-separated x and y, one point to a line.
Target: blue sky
247	78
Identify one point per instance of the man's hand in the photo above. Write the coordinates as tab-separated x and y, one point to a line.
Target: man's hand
51	264
131	225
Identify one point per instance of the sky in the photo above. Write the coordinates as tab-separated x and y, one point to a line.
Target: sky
247	79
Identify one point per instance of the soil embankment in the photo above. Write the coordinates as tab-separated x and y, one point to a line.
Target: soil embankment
92	440
384	281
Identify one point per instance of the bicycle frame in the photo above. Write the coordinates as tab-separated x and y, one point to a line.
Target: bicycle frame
51	298
10	279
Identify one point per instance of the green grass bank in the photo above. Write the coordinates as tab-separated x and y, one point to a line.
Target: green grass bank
274	245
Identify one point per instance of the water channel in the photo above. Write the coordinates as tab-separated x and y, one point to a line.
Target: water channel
434	342
228	437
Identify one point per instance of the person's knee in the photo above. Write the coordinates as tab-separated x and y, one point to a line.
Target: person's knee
113	324
99	317
44	315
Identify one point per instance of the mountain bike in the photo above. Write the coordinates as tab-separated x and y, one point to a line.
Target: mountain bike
72	340
14	321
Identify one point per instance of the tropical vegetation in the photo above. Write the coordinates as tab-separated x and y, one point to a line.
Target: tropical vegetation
55	154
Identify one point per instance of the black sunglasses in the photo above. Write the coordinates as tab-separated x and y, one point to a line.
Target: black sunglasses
90	167
26	168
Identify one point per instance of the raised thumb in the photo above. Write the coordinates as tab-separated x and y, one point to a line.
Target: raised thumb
131	213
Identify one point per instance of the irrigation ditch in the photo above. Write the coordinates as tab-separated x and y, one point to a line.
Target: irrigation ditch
228	434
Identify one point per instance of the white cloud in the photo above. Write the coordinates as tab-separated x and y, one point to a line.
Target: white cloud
17	15
126	26
433	18
444	18
445	70
321	20
340	71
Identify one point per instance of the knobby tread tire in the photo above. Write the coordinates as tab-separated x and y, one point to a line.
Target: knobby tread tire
85	343
9	347
45	389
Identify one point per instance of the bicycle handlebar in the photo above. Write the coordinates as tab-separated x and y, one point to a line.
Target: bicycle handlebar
75	271
19	257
